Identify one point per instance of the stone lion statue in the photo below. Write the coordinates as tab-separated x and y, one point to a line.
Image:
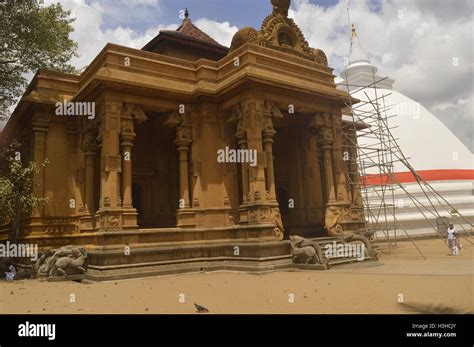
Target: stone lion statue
305	251
64	261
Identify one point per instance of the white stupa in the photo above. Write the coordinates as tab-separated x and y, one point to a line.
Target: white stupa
437	155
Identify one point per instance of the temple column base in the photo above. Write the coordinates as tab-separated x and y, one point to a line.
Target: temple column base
110	219
129	218
262	213
186	218
87	222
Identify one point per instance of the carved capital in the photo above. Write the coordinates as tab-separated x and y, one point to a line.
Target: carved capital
39	125
134	112
89	142
183	137
326	137
240	134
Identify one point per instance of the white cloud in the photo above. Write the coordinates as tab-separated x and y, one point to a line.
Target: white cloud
91	38
221	32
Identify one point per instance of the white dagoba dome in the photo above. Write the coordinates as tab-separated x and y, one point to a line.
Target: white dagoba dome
422	137
436	154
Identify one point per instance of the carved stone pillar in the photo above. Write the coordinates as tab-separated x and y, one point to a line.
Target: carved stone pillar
183	124
315	192
355	198
242	140
39	133
251	115
183	140
339	166
255	133
130	115
326	140
126	141
110	210
337	211
90	148
268	134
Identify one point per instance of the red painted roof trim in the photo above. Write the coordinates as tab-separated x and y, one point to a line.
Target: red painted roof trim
427	175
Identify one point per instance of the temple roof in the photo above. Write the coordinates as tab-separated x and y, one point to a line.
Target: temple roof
190	30
187	34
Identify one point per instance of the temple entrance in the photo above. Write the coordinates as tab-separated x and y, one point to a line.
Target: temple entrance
285	163
155	176
298	184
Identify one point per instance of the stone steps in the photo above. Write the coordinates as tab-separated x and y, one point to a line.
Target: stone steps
252	256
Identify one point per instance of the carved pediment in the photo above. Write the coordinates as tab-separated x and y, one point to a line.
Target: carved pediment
280	32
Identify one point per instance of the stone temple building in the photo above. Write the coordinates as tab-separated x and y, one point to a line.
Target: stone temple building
142	171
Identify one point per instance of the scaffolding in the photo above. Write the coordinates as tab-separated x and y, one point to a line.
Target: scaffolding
373	153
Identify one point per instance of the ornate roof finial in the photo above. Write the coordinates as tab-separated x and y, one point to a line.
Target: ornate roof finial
354	33
356	53
186	13
281	7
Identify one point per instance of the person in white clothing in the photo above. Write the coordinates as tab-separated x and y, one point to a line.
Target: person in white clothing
452	240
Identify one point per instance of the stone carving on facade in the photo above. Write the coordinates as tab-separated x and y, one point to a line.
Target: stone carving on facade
89	140
306	251
183	134
243	36
64	261
279	229
268	125
280	32
183	125
332	220
253	216
127	126
131	113
272	109
319	56
112	221
240	129
325	135
174	119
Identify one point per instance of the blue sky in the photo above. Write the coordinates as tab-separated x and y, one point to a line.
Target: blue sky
240	13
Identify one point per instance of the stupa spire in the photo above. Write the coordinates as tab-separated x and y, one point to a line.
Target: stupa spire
356	53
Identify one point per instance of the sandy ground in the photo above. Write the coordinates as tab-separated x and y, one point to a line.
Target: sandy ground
440	280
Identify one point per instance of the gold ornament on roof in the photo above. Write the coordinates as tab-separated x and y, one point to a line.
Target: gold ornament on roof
281	7
354	33
281	33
